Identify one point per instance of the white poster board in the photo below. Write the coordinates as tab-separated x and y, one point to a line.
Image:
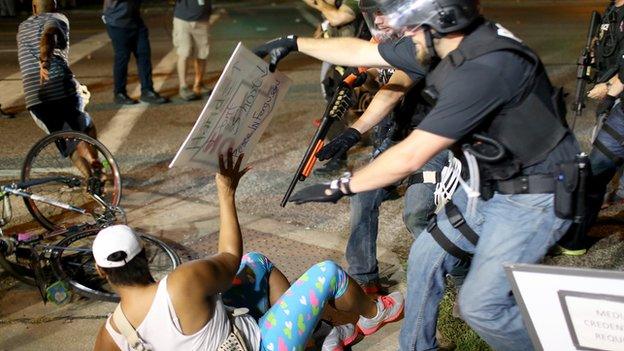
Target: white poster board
238	111
570	308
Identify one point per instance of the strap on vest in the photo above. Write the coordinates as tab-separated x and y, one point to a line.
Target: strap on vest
605	150
457	221
613	133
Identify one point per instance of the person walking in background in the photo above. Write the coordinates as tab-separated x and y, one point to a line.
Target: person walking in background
129	35
191	32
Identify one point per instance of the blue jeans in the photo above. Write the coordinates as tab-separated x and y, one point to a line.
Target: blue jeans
603	170
512	229
361	250
126	42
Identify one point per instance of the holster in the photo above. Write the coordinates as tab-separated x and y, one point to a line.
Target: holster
571	188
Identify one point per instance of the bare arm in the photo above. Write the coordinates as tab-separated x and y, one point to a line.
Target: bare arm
613	88
213	275
399	161
104	342
384	101
616	87
343	51
47	43
336	16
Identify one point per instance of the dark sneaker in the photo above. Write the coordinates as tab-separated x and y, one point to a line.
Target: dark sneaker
333	168
124	99
187	94
152	97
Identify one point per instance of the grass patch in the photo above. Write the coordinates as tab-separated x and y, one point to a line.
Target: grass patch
454	330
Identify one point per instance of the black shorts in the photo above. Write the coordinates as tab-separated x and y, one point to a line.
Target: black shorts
62	114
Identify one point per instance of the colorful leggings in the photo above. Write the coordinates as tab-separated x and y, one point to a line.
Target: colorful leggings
288	324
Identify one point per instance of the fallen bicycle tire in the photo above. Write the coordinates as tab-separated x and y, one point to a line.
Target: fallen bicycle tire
73	262
46	160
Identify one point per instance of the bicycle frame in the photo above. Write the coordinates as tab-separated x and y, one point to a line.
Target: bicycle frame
17	190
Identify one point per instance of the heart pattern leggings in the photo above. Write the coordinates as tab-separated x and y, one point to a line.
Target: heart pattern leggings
289	323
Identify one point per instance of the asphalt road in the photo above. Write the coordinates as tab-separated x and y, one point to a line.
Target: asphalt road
179	204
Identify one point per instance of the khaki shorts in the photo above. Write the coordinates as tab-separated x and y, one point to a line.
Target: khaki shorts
191	38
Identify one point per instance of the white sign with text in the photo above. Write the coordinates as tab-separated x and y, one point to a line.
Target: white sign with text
570	308
596	321
238	111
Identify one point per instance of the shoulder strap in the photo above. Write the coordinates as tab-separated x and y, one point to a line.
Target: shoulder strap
128	331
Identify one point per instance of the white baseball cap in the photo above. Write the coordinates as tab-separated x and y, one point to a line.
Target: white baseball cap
114	239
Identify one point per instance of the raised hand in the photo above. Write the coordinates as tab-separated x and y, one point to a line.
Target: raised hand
229	173
277	49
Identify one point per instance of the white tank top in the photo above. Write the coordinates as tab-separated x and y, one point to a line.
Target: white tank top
161	327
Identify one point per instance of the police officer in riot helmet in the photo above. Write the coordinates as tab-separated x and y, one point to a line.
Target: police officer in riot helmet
492	97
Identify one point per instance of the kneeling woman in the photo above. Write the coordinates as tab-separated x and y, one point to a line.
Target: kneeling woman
185	310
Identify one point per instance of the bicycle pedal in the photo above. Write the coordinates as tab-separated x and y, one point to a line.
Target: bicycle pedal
58	293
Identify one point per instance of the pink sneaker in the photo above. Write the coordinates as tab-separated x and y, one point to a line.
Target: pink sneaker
389	309
339	337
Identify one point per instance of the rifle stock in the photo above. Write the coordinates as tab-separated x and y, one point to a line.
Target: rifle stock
585	64
335	110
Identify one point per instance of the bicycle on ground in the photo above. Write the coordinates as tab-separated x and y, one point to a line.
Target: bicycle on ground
73	203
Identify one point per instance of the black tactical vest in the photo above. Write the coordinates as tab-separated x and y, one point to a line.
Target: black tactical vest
607	48
529	129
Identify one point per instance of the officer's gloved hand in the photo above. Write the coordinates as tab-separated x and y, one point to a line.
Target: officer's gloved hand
605	105
340	144
326	192
277	49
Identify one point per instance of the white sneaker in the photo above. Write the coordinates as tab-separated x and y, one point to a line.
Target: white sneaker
339	337
389	309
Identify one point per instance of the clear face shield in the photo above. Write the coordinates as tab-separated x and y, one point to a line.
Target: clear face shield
378	25
402	14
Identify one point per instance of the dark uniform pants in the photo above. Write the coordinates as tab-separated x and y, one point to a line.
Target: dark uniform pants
606	157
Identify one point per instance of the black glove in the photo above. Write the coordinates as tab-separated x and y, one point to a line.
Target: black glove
605	105
277	49
340	145
326	192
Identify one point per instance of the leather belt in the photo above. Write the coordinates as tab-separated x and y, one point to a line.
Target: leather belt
533	184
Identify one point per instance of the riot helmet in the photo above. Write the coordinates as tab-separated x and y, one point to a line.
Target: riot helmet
376	21
443	16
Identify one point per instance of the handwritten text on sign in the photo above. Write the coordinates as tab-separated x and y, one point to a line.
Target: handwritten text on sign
236	114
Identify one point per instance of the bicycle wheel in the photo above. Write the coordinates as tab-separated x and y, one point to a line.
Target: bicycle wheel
63	158
73	262
18	265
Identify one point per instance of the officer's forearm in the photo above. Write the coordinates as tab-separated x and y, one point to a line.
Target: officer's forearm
616	87
336	16
342	51
399	161
384	101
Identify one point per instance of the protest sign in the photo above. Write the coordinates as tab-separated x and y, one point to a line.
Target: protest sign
237	113
570	308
